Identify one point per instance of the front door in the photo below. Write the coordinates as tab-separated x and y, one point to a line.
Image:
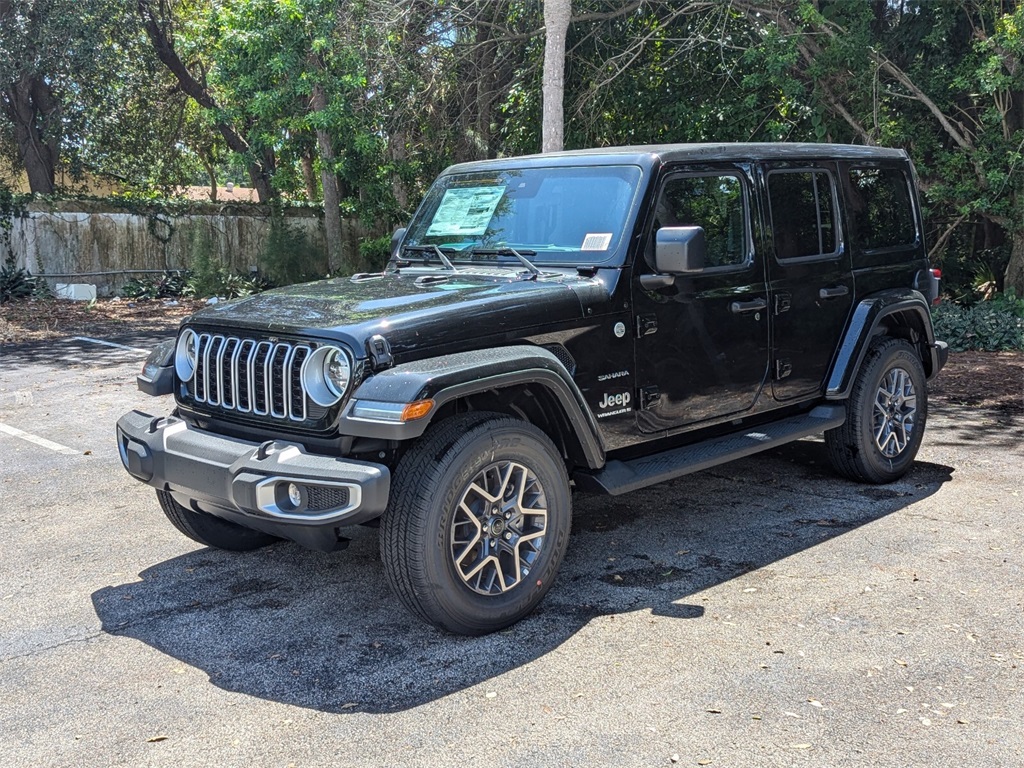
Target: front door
702	343
810	274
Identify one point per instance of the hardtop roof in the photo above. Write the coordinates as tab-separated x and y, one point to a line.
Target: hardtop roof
650	155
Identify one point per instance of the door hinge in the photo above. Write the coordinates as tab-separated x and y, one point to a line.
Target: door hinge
646	325
649	397
783	368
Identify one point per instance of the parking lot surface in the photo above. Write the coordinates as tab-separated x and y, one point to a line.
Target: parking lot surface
764	613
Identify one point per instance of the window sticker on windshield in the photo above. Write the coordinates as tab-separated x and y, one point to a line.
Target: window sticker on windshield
596	241
465	211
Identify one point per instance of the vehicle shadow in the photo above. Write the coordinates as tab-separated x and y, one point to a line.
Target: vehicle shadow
322	632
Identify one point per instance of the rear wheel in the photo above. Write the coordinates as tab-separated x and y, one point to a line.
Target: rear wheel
885	416
477	524
209	530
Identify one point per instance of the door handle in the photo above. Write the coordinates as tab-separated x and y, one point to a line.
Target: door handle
742	307
833	293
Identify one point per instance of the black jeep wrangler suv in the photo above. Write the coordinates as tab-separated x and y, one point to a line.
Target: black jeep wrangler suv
602	319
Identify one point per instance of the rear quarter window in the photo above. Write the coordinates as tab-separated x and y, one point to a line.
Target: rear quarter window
880	209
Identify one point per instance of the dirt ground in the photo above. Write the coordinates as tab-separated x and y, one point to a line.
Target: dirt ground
989	380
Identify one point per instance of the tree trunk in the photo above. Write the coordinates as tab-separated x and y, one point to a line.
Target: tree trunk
309	177
329	181
557	14
1014	276
30	105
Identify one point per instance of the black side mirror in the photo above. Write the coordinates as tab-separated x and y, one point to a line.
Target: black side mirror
677	251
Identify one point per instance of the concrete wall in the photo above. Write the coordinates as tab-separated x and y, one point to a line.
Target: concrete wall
92	242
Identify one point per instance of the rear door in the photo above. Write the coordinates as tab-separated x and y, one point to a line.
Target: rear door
810	274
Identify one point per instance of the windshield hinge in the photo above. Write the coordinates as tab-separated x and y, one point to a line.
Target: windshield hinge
380	352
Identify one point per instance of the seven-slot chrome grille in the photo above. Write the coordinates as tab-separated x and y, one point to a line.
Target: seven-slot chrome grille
262	378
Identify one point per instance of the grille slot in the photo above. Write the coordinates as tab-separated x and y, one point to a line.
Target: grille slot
243	375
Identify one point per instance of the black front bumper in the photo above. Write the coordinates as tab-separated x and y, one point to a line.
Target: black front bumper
248	483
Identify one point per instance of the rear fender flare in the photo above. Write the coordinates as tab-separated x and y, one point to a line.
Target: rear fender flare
879	314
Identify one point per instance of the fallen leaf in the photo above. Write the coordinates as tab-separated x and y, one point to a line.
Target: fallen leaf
154	739
350	705
799	746
815	703
750	589
714	711
901	662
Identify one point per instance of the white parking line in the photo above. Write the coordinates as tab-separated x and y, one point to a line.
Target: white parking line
42	441
110	344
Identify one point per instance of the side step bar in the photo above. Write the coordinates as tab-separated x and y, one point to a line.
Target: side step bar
619	477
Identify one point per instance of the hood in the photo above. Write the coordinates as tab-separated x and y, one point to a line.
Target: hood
409	310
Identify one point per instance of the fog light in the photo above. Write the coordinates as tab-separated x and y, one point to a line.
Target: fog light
294	495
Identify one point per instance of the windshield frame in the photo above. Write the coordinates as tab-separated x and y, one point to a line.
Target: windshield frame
459	248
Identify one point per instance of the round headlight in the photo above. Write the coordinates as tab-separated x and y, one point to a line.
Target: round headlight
186	354
326	375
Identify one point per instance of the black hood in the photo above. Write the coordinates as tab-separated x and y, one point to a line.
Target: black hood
410	310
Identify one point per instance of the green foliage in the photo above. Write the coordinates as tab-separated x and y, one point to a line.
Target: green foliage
988	325
100	99
374	252
169	285
208	275
288	256
15	283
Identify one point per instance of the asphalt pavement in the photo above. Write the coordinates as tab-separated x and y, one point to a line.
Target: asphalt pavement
764	613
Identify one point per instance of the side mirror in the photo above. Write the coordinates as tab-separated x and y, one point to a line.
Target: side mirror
396	240
679	250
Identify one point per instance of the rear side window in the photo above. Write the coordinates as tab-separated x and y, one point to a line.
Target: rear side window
714	202
803	209
880	210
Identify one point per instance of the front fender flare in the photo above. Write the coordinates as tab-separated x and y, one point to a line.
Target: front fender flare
449	377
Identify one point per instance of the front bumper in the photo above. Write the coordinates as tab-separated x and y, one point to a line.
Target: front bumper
248	483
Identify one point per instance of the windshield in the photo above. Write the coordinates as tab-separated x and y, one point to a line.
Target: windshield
556	215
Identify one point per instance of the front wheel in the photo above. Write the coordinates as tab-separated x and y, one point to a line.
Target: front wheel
209	530
885	416
477	524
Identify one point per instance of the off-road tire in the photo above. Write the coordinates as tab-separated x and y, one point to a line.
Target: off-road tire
853	447
209	530
433	489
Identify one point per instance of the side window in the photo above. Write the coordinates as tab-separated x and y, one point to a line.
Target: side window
803	209
714	202
880	211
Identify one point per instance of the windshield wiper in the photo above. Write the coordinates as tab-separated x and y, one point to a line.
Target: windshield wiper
508	251
425	249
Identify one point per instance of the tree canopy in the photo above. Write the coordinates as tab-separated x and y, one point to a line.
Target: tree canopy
358	104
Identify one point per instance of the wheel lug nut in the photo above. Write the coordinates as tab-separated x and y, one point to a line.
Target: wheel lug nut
508	536
508	515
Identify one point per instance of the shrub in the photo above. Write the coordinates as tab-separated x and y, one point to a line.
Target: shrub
994	325
15	283
288	256
374	252
170	285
